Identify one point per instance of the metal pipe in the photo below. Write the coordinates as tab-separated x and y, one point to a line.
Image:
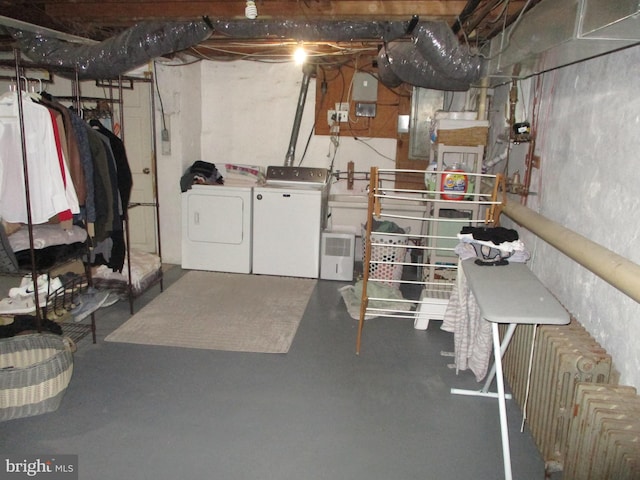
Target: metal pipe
616	270
291	152
482	102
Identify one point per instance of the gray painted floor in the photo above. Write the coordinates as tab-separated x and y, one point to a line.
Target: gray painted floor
319	412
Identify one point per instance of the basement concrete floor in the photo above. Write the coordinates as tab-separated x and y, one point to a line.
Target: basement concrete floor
318	412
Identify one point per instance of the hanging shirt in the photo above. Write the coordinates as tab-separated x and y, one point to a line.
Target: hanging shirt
65	215
48	194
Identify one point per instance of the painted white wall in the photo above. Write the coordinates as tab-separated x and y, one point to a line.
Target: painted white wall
589	182
248	110
180	92
243	112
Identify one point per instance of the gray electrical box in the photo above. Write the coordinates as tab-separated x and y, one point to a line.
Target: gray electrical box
365	88
366	109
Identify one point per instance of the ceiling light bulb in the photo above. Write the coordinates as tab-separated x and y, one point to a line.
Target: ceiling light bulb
300	55
251	11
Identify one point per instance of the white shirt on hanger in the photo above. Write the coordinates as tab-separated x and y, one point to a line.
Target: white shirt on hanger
48	193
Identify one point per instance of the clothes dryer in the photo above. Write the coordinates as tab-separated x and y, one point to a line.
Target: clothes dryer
217	228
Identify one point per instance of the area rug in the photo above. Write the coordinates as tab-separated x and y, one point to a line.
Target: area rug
222	311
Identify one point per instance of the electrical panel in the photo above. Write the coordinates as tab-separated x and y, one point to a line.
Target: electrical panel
365	88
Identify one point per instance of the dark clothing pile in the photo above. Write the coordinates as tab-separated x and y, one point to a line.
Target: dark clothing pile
200	173
26	324
497	235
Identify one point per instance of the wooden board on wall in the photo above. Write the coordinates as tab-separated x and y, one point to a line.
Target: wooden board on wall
334	85
338	82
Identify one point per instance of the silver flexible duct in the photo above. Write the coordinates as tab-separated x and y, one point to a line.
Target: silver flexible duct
439	46
402	62
433	59
117	55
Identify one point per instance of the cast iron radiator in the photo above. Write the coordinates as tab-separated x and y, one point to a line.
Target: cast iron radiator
579	418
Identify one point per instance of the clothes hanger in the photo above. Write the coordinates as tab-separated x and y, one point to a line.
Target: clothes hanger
9	99
31	95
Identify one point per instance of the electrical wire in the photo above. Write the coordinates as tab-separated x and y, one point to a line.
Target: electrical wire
273	52
155	80
504	45
499	16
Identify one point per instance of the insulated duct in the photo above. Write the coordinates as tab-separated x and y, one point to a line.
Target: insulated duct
117	55
402	62
433	59
317	31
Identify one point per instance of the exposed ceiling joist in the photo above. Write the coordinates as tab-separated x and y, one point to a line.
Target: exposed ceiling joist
99	20
116	11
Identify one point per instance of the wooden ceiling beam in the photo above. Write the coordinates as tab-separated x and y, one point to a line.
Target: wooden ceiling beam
118	12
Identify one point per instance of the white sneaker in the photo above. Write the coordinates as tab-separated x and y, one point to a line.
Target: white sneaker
26	284
45	288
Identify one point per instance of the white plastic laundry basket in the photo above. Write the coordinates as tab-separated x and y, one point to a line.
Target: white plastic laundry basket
386	252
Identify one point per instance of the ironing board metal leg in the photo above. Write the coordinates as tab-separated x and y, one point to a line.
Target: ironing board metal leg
502	404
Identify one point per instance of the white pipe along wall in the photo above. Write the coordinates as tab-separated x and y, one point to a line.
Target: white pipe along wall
611	267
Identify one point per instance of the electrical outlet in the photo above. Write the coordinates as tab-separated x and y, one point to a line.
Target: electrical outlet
342	112
337	116
331	117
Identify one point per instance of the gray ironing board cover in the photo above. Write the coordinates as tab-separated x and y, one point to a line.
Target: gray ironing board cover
512	294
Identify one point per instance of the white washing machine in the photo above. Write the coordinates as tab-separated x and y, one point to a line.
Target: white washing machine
216	228
288	218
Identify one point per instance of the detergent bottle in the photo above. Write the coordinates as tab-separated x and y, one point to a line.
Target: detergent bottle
454	182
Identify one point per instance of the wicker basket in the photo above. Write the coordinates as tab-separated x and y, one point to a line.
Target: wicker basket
35	370
470	137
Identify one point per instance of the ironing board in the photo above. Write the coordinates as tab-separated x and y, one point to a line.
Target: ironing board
509	294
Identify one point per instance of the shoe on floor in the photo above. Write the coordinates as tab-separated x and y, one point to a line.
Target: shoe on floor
16	306
45	287
112	298
90	301
26	284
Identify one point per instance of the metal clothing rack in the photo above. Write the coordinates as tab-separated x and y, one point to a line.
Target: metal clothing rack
76	98
119	86
388	252
53	301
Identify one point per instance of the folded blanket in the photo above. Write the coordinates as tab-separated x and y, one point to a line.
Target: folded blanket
380	296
